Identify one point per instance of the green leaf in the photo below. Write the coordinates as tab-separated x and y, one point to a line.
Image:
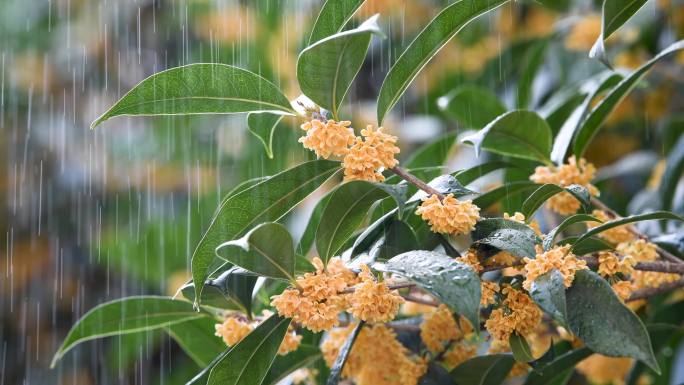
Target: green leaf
200	89
615	14
309	234
263	125
453	283
428	42
265	201
334	15
674	167
589	246
445	184
550	238
600	113
126	315
503	192
590	90
343	355
431	154
534	59
266	250
630	219
483	370
601	320
231	290
518	134
285	365
248	362
471	105
470	175
552	371
503	234
543	193
326	69
548	291
197	339
398	238
520	348
347	208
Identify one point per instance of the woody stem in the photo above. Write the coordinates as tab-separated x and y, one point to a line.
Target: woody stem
405	175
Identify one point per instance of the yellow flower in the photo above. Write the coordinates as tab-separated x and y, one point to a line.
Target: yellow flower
611	264
520	218
640	250
518	369
232	330
290	343
623	289
502	258
438	328
605	370
410	308
459	353
373	301
368	155
574	172
559	258
584	33
518	313
449	216
327	138
489	290
616	234
471	259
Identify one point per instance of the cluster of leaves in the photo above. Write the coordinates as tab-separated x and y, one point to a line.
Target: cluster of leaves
370	223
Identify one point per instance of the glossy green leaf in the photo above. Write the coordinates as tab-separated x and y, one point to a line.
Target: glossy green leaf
232	290
445	184
348	206
285	365
544	192
503	234
533	61
198	340
248	362
601	320
549	374
614	14
656	215
334	15
503	192
326	69
548	291
453	283
483	370
200	89
428	42
674	168
550	238
432	154
265	201
588	246
266	250
263	125
520	348
471	105
470	175
126	315
309	234
398	237
600	113
343	355
518	134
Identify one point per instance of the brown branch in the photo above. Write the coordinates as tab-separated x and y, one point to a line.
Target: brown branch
660	267
420	300
395	286
663	253
651	291
405	175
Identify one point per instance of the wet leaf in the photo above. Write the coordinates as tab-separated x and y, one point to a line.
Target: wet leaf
471	105
615	14
600	113
334	15
550	238
550	373
265	201
248	362
326	69
483	370
231	290
533	61
200	89
266	250
309	235
428	42
503	192
453	283
283	366
588	246
126	315
508	235
398	238
520	348
343	355
518	134
605	325
198	340
548	291
445	184
546	191
263	125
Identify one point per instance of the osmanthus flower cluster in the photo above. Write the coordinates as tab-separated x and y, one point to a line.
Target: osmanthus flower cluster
574	172
449	215
233	330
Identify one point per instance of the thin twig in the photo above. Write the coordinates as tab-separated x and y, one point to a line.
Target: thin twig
394	286
651	291
405	175
420	300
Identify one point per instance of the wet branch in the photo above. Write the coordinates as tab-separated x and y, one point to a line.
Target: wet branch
651	291
405	175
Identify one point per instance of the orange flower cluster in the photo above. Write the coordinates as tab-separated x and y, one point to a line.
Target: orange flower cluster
517	314
439	328
574	172
317	302
449	216
327	138
290	343
584	33
377	357
368	155
471	259
520	218
459	353
559	258
233	330
489	290
611	264
623	289
605	370
615	235
373	301
643	251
